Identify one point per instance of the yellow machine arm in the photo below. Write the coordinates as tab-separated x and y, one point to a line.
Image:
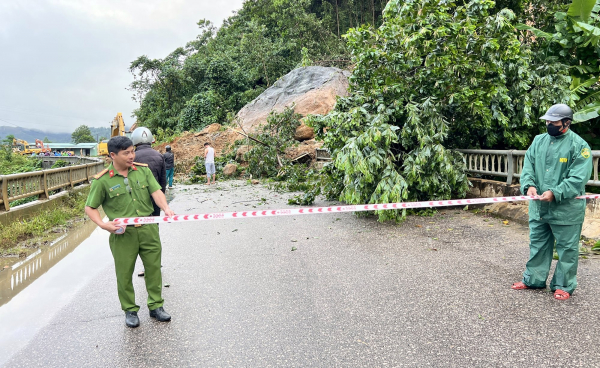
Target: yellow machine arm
117	128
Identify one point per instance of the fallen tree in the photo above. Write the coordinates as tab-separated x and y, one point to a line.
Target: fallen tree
435	76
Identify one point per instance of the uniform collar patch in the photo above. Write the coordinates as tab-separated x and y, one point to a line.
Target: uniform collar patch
111	173
133	167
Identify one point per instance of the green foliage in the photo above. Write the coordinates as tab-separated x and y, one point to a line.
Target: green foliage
581	9
82	134
575	40
39	225
434	76
12	163
215	75
6	148
294	178
265	160
164	135
305	58
46	140
59	163
202	109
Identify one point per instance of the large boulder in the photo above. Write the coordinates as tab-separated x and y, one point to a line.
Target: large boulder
229	169
304	133
312	89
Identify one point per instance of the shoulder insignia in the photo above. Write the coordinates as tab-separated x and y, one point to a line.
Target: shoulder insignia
585	153
97	176
140	164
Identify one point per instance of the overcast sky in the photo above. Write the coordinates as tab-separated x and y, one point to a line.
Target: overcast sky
64	63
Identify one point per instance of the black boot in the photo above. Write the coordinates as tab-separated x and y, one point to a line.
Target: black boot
131	319
160	314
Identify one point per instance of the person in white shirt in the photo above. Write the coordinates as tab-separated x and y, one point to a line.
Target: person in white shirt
209	163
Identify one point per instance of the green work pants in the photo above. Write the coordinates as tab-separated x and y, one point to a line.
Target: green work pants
125	248
542	237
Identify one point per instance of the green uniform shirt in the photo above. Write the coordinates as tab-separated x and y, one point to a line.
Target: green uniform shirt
563	165
111	192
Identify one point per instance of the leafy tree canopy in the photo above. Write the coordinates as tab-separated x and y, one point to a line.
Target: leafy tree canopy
82	135
575	40
435	75
8	140
212	77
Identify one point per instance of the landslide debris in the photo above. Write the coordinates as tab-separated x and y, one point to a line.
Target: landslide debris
310	90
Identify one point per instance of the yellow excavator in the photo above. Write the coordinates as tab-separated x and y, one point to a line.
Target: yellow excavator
24	148
20	146
117	128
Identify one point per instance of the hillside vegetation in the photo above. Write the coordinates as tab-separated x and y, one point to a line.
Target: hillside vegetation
428	76
209	79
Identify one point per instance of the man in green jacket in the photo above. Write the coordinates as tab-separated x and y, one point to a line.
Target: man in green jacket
124	189
557	166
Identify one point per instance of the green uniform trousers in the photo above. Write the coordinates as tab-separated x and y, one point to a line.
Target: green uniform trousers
125	248
542	237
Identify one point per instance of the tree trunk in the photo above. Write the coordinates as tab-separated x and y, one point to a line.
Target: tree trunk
349	14
373	8
337	16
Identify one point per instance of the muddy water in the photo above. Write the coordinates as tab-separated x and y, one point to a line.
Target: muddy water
33	290
21	274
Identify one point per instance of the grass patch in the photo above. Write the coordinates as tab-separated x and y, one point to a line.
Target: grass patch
38	226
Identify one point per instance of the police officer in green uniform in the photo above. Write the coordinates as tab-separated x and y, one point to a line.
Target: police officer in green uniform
124	190
557	166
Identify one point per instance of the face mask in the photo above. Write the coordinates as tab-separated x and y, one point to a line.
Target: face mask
554	130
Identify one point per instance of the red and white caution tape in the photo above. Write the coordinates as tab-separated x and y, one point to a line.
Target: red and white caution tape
317	210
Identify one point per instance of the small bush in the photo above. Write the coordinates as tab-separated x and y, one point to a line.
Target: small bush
39	225
59	163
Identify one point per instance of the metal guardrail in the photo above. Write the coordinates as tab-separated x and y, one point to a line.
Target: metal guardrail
48	161
40	183
509	163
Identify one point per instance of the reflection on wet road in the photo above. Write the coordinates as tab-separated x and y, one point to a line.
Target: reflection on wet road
21	274
34	289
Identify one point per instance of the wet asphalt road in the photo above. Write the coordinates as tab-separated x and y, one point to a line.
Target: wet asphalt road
431	292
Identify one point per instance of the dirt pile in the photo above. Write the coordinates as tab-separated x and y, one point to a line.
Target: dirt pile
313	90
190	145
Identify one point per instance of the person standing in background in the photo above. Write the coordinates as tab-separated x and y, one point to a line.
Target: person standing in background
142	139
209	163
169	165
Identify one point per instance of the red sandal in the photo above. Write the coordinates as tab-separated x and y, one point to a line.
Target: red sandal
561	295
519	286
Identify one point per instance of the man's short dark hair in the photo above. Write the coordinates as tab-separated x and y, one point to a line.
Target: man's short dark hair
206	144
118	144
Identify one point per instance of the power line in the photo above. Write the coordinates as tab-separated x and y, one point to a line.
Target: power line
64	125
43	114
9	123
